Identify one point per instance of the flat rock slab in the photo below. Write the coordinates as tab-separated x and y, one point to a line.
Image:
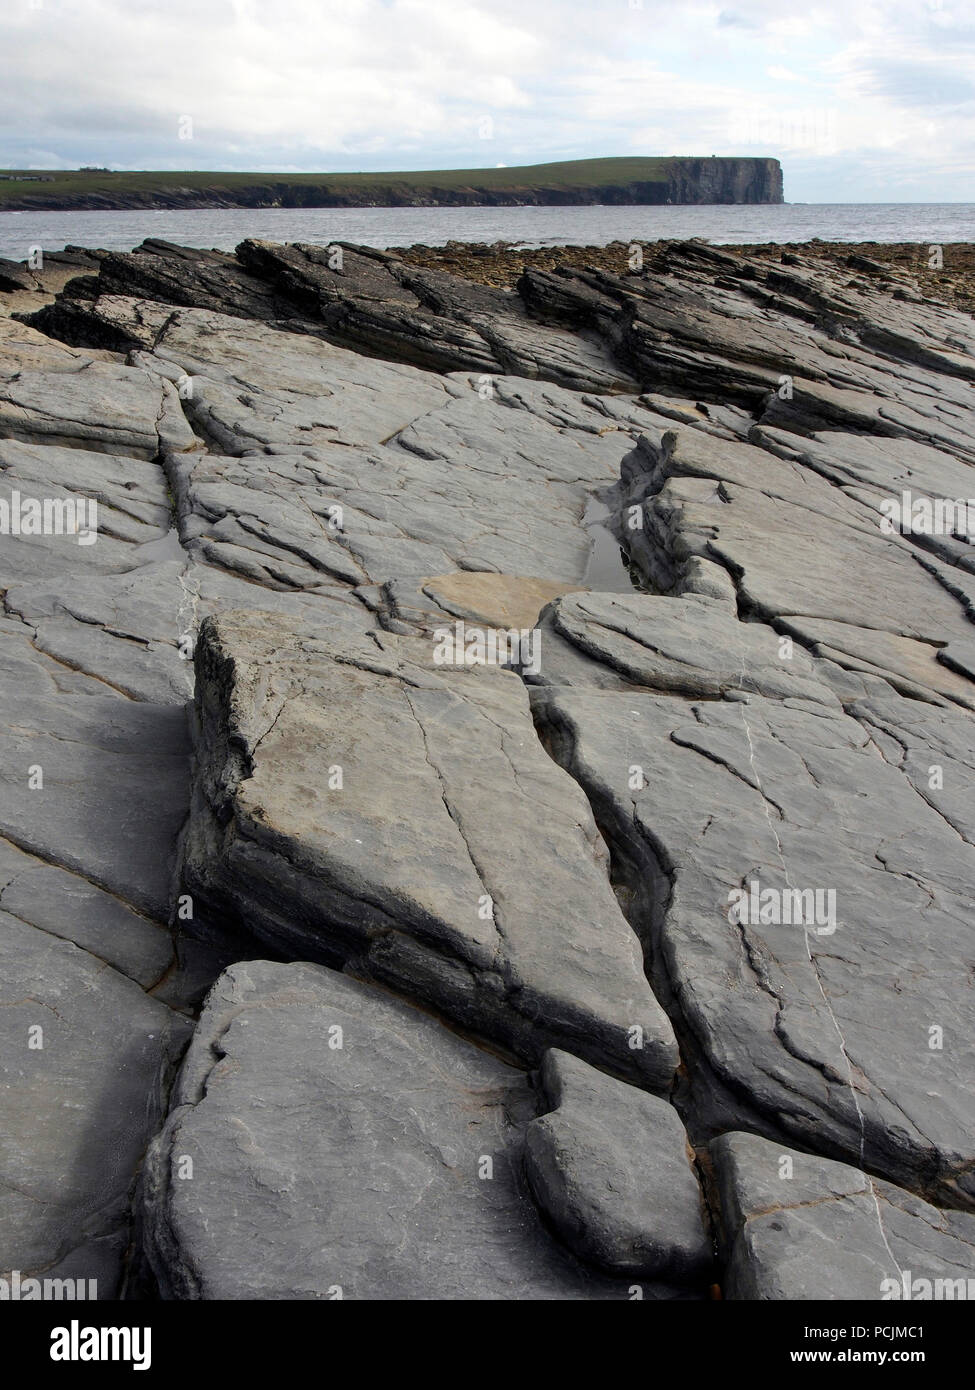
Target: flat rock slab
329	1141
912	667
355	801
477	479
70	907
246	385
98	786
79	1101
497	600
933	748
124	608
611	1166
687	646
115	409
479	600
797	1226
796	544
23	348
789	1022
131	493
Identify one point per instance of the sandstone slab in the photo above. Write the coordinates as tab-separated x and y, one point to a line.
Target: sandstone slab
611	1167
355	802
328	1141
797	1227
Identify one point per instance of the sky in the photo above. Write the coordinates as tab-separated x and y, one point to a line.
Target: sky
862	102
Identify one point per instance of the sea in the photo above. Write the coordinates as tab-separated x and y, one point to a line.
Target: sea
721	224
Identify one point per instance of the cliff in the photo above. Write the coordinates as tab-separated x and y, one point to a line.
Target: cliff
725	181
623	182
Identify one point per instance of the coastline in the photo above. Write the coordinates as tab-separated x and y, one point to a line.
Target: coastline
500	264
616	181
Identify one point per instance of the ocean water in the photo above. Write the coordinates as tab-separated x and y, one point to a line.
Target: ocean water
927	223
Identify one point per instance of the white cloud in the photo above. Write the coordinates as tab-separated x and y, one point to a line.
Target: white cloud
302	84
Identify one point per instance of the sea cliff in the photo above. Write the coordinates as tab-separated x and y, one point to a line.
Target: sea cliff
617	182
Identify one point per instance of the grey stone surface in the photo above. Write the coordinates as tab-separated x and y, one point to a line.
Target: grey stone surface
344	1145
80	1100
365	300
82	401
788	1026
496	483
688	646
405	835
794	544
796	1226
95	790
611	1166
744	676
66	905
248	386
97	786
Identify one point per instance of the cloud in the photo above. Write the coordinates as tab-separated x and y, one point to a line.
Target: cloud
350	84
909	83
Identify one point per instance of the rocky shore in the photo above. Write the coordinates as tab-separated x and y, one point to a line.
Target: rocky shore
488	760
949	277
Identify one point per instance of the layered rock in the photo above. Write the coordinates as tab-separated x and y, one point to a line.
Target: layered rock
370	301
611	1167
50	395
743	694
95	789
381	1155
797	1226
790	1021
406	844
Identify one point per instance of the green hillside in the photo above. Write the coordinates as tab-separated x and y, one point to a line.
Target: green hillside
626	179
570	173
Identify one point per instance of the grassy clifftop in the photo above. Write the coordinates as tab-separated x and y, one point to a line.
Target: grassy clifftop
623	180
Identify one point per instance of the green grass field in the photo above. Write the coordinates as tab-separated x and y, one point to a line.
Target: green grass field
565	175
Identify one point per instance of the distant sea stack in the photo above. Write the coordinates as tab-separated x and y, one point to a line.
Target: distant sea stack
617	182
